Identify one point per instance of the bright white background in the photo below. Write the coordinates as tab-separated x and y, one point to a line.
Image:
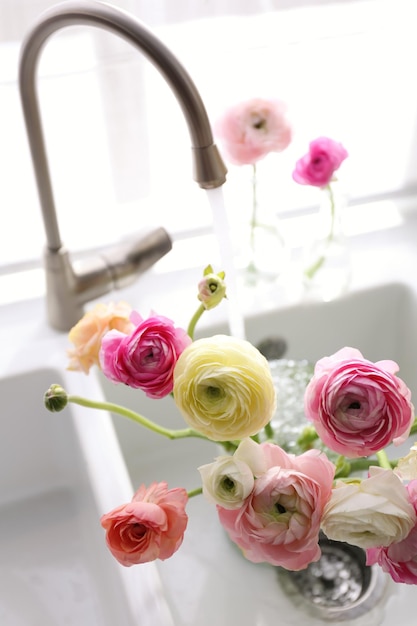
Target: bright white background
119	148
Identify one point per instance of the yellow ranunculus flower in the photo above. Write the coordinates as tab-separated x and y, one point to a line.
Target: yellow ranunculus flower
223	388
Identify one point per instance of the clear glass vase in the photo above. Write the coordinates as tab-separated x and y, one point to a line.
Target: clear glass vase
263	251
327	259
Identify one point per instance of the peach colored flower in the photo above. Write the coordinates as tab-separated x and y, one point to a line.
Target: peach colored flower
279	522
399	559
250	130
318	166
87	334
223	387
145	359
358	407
150	527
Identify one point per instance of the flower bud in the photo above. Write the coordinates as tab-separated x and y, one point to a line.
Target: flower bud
211	288
56	398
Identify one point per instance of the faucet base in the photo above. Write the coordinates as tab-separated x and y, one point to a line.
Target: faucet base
68	289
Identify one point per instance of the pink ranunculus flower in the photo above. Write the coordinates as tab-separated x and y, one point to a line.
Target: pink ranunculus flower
358	407
318	166
399	559
87	334
279	522
145	359
250	130
149	527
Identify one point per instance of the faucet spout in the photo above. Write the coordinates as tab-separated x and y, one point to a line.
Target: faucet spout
209	169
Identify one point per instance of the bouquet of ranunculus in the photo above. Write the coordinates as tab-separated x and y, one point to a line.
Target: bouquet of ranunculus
272	503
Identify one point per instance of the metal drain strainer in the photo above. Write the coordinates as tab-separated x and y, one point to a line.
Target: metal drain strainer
338	579
338	586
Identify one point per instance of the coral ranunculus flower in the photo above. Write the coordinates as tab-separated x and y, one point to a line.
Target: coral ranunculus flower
150	527
358	407
279	523
145	359
318	166
250	130
87	334
224	388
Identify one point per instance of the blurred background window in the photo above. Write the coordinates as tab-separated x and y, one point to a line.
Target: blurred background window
118	146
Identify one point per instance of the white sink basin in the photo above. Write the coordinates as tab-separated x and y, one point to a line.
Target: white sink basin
59	472
208	581
53	570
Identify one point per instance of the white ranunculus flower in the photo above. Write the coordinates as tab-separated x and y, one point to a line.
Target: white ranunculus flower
372	513
407	466
229	480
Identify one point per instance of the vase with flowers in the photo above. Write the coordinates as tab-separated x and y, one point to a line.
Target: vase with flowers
274	503
326	263
248	132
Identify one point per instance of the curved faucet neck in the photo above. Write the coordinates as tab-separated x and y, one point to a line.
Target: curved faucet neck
209	170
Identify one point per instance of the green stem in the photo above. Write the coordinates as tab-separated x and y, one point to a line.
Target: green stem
136	417
269	431
253	218
194	320
383	459
314	267
195	492
413	430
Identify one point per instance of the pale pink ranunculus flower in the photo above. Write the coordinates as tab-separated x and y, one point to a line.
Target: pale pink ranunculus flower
318	166
279	522
373	512
399	559
149	527
87	334
358	407
250	130
145	359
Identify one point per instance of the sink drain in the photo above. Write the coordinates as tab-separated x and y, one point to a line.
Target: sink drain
338	586
273	348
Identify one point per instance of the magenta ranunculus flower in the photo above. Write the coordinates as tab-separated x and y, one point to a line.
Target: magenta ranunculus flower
279	522
318	166
150	527
399	559
145	359
358	407
250	130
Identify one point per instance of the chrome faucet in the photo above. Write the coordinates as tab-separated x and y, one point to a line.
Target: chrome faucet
68	288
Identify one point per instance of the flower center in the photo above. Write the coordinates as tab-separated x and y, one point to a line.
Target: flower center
138	531
354	405
280	508
228	484
214	393
259	122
